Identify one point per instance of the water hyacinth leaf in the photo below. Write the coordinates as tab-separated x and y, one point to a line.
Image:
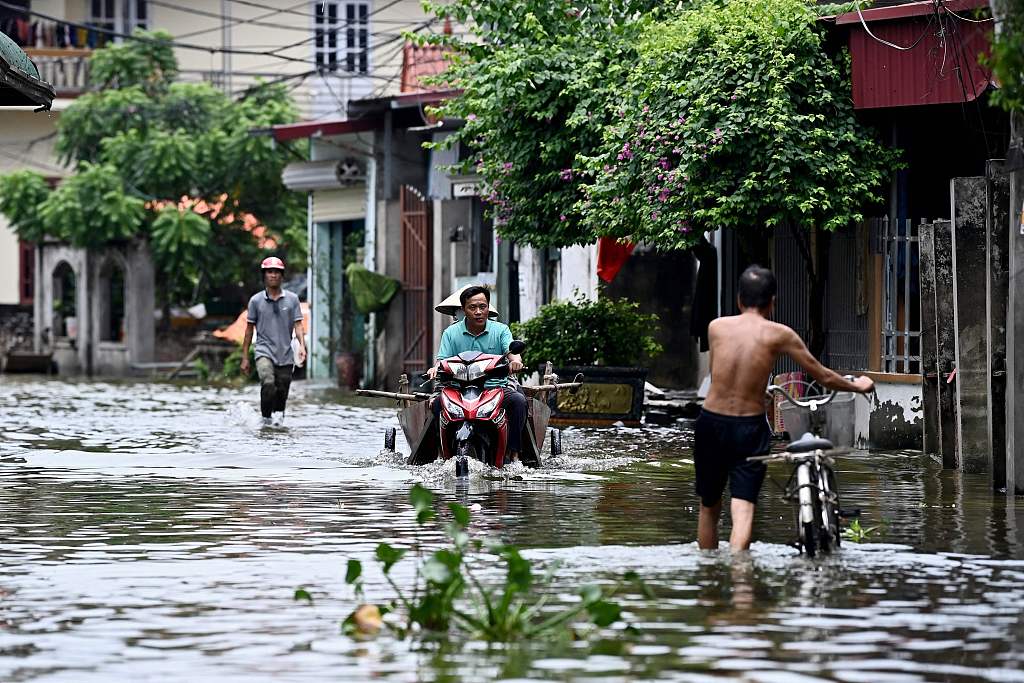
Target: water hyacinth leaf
423	503
450	559
302	594
437	572
519	575
388	556
604	613
353	571
458	534
590	594
460	513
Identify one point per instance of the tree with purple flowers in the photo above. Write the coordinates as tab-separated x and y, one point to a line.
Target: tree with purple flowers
736	117
537	76
605	118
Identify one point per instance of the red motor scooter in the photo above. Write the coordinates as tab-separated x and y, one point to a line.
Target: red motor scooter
473	423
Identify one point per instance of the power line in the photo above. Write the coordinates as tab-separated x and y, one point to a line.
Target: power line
146	39
240	21
321	32
886	42
973	21
310	15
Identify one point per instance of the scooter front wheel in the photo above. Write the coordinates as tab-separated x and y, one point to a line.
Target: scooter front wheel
464	452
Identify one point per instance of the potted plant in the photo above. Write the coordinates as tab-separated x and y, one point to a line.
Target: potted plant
606	341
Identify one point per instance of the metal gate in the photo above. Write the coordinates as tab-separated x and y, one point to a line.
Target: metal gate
417	349
899	246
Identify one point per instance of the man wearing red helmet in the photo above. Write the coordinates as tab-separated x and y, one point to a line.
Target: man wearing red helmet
274	314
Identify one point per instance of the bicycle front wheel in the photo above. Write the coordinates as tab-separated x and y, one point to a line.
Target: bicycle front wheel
829	494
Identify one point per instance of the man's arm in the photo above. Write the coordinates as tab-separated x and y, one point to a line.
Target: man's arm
443	351
301	336
246	341
794	346
515	361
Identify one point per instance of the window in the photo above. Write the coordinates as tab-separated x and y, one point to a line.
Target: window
121	16
342	35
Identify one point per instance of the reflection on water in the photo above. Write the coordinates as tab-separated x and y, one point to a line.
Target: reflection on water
151	532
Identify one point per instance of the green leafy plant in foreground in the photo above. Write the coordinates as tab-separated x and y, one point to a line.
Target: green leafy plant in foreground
447	595
855	533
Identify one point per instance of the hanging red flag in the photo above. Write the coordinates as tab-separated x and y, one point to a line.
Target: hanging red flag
611	256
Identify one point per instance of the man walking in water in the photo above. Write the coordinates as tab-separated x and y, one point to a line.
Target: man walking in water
274	314
732	425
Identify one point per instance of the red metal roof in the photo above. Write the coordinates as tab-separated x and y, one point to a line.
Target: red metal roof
306	129
941	68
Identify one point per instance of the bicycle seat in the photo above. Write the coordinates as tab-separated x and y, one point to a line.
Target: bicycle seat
809	442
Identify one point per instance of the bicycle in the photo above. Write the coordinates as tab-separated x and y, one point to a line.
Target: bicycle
812	486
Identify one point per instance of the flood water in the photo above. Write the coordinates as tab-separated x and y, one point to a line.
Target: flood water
151	532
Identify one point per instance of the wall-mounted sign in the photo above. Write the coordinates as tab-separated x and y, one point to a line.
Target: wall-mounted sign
465	189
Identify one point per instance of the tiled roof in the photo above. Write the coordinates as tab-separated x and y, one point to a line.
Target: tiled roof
419	62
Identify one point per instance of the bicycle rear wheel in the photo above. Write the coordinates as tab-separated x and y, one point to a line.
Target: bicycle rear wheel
808	525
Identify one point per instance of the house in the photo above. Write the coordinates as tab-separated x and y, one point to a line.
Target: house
327	52
931	101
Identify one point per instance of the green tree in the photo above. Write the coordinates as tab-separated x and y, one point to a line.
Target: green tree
174	163
737	117
1007	58
536	78
626	120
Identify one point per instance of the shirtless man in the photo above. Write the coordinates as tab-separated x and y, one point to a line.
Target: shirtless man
733	426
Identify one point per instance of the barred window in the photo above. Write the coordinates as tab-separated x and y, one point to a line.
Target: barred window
342	36
119	16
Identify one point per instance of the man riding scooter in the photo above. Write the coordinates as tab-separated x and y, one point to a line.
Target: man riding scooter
476	332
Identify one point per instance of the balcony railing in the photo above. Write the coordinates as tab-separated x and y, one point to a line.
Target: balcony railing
66	69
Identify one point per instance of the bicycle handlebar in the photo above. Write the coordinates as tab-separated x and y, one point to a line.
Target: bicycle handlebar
811	404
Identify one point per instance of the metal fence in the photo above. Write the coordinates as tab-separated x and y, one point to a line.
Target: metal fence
846	319
898	244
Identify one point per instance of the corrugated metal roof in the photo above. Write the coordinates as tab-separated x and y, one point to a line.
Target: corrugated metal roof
941	68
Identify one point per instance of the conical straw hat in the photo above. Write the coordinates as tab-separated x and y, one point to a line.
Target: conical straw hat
452	306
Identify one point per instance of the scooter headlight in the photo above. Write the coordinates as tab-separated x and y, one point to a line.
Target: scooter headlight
453	409
488	408
477	370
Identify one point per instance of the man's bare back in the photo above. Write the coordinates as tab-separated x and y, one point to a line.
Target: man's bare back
744	349
732	426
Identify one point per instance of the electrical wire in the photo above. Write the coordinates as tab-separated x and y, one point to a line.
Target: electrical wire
190	46
335	29
239	22
973	21
146	39
867	30
961	57
310	15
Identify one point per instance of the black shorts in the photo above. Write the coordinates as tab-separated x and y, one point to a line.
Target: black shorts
721	445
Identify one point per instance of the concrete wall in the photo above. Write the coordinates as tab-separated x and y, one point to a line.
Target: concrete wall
895	421
249	28
10	270
577	271
88	352
26	141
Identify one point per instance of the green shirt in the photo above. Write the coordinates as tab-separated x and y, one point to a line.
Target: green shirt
495	339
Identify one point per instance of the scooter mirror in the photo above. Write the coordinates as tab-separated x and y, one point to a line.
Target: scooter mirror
517	346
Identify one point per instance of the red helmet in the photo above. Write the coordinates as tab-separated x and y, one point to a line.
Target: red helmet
272	262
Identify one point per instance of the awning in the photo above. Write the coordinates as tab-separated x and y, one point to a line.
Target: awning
941	66
20	84
308	129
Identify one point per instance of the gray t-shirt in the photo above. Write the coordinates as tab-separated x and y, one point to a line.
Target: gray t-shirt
274	320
